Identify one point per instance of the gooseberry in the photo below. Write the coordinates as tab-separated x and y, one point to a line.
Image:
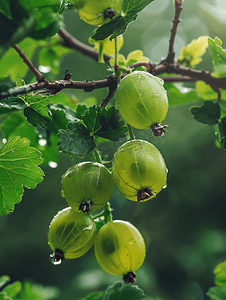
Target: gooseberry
98	12
120	249
139	170
87	186
71	235
142	101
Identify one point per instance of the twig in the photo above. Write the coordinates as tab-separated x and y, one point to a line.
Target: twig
38	75
70	42
55	87
178	79
108	98
176	21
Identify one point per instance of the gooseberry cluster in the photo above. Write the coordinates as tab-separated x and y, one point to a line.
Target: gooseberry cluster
138	171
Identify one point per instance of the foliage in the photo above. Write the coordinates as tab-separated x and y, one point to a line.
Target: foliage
41	121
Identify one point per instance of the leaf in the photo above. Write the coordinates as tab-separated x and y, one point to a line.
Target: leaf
217	293
218	55
76	139
221	134
105	123
120	291
16	125
94	296
11	104
3	280
118	25
10	124
38	292
5	9
37	112
13	289
3	296
209	113
191	55
18	168
61	115
207	93
220	274
178	94
80	110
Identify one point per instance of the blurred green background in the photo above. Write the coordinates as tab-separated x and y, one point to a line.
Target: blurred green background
184	227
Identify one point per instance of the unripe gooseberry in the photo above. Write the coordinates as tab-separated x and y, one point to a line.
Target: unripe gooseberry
139	170
98	12
71	235
87	186
142	101
120	249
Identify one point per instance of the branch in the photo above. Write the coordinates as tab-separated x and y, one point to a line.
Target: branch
70	42
52	88
38	75
176	21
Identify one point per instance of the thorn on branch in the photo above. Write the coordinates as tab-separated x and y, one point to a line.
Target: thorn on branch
67	75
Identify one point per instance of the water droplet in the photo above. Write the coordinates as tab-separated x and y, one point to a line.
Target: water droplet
52	164
54	260
4	141
42	142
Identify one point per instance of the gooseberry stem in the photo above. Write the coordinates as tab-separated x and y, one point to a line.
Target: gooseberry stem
117	70
131	134
107	213
95	156
101	54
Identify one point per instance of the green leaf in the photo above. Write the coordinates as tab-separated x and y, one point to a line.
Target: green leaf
118	25
120	291
11	123
217	293
38	292
209	113
221	134
220	274
94	296
207	93
17	125
80	110
105	123
48	23
11	104
37	112
3	296
13	289
3	280
178	94
218	55
76	140
18	168
61	115
5	9
191	55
